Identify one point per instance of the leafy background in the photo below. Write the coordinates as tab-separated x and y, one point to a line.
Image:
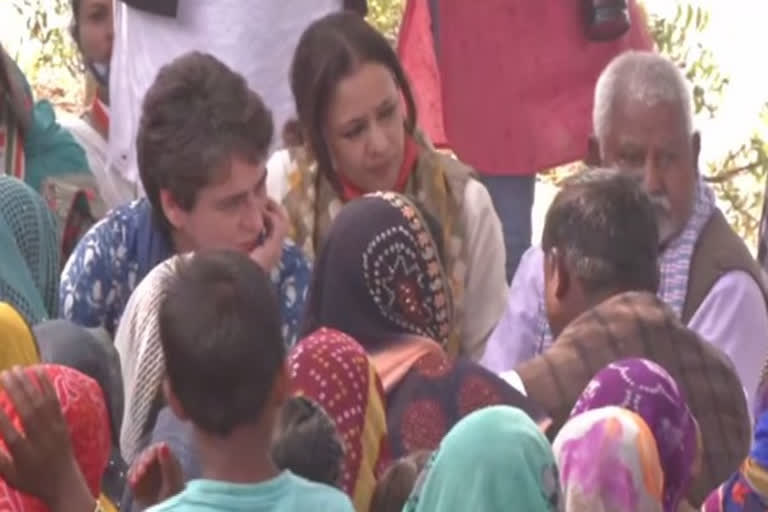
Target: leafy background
41	44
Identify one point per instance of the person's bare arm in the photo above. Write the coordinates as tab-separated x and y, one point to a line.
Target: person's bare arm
41	462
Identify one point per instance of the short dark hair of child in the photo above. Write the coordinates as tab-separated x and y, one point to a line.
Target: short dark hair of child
221	337
396	484
307	442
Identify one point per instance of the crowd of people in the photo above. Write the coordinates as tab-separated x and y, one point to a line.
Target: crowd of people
256	284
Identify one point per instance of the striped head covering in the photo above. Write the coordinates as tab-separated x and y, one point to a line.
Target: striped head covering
85	412
747	489
494	460
17	343
29	252
33	145
16	103
647	389
141	359
609	462
331	369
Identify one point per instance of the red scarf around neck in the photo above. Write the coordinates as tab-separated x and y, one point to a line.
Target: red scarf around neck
100	116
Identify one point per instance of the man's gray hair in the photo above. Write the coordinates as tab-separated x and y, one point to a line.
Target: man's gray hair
644	77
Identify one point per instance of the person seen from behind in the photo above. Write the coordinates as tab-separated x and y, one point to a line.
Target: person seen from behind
225	375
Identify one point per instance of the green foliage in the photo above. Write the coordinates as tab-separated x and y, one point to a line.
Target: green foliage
56	72
673	40
386	15
53	66
739	176
56	47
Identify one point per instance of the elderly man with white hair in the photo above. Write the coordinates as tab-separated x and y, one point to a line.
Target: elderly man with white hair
643	124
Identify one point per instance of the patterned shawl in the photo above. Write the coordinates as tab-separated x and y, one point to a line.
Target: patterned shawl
494	459
609	462
379	278
437	183
29	252
638	324
331	369
647	389
85	412
674	260
436	393
747	489
141	359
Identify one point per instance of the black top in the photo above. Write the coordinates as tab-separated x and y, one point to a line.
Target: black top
159	7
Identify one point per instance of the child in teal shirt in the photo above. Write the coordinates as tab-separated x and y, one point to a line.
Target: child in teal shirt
225	375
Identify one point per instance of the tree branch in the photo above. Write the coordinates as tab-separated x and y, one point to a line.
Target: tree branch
731	173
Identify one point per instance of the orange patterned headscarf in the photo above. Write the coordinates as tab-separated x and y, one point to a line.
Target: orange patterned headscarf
334	371
85	412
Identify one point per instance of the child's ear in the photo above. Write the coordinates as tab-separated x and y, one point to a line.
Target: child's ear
172	401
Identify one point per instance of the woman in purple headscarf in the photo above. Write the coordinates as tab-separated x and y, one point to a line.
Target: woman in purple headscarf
648	390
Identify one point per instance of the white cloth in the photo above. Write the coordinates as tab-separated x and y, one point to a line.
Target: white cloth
485	294
519	335
256	38
113	188
732	317
513	379
141	358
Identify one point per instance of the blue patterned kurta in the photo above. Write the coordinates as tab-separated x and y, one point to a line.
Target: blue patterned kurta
116	254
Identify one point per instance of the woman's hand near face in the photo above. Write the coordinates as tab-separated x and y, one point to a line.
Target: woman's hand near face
269	253
41	462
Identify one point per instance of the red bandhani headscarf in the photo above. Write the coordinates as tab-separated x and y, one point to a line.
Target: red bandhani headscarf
334	371
85	411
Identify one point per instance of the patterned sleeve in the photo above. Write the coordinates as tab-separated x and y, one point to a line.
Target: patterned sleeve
85	281
292	280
